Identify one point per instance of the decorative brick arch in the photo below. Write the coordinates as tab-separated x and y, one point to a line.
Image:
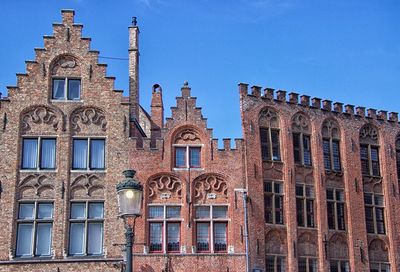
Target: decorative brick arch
87	185
209	187
36	186
275	243
378	251
338	248
164	187
330	129
186	135
307	245
84	117
268	117
301	123
41	118
65	65
369	134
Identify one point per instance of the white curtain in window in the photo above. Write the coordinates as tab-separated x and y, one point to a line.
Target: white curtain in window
97	154
58	88
74	89
48	154
95	238
29	158
80	154
76	238
24	240
43	239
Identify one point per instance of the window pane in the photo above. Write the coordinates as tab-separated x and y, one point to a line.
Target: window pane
194	156
299	190
302	265
97	154
280	264
378	200
270	264
45	211
203	212
43	239
24	240
296	148
278	209
220	211
155	236
74	89
268	209
180	157
341	217
173	212
76	238
300	212
173	237
331	215
334	265
156	212
29	157
380	220
220	236
203	242
265	144
339	195
310	213
95	238
369	219
80	150
368	198
48	154
344	266
276	156
307	150
78	210
278	188
310	191
96	210
58	88
336	155
26	211
268	187
329	194
312	263
327	154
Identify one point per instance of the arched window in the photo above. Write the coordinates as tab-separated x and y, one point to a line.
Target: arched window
331	138
65	78
301	140
269	135
369	151
187	150
275	250
378	256
307	250
338	254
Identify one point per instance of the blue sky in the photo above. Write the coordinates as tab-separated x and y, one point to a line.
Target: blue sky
343	50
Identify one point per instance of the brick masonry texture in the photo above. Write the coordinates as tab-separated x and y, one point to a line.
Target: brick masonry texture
145	142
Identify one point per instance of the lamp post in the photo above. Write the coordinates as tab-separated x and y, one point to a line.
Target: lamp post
129	192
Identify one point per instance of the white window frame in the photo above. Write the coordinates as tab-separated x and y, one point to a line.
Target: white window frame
38	154
88	169
187	156
66	90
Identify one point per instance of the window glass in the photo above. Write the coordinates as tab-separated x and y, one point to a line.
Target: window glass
327	154
336	156
95	238
30	151
155	236
180	157
156	212
48	154
24	240
76	238
74	89
278	188
26	211
97	154
43	239
173	212
299	190
173	238
265	149
78	210
194	156
329	194
203	212
80	150
58	88
307	150
95	210
202	231
45	211
296	148
219	236
275	145
268	187
219	211
309	191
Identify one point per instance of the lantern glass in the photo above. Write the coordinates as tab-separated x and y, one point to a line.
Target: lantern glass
129	202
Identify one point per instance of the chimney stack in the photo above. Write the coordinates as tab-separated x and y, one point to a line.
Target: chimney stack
157	111
134	69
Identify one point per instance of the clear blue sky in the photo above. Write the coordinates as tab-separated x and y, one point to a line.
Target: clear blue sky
343	50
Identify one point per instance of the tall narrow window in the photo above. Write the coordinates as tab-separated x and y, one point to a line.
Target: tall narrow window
330	134
374	213
164	228
339	266
34	229
301	140
187	157
211	228
307	264
86	228
273	202
369	151
275	263
66	89
88	154
305	197
39	153
269	135
335	209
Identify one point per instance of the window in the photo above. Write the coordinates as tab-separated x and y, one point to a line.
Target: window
66	89
86	228
379	267
164	228
211	228
38	153
270	150
273	202
331	155
369	160
187	156
374	213
275	263
307	264
34	229
302	149
305	205
88	154
339	266
335	209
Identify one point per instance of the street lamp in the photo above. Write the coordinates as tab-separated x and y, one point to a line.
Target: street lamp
129	192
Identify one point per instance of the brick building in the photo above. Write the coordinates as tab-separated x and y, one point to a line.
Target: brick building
322	181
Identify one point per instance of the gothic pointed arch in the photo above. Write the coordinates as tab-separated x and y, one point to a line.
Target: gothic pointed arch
369	134
307	245
301	123
338	248
331	129
378	251
268	117
36	186
275	243
87	185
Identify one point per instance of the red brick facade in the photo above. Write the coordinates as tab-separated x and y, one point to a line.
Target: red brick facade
193	212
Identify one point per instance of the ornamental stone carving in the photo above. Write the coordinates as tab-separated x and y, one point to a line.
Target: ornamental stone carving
40	115
187	136
210	184
62	64
165	186
369	135
300	123
338	248
88	116
36	186
330	129
268	118
87	185
378	251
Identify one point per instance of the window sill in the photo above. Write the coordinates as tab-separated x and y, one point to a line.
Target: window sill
88	171
66	101
371	176
275	225
38	170
273	161
32	258
304	166
335	172
187	169
307	228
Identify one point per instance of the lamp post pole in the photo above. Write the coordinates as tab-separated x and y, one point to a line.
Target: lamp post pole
129	235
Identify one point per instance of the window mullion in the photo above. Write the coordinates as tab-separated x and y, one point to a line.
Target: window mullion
370	160
164	230
271	155
39	146
336	213
88	154
187	157
86	229
66	89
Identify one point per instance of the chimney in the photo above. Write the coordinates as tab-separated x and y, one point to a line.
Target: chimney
157	108
134	69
